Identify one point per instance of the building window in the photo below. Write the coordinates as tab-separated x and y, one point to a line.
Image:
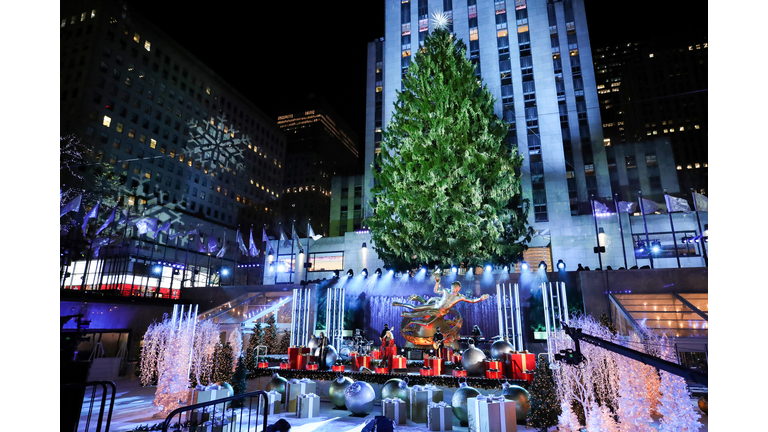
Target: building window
147	45
473	34
107	121
152	143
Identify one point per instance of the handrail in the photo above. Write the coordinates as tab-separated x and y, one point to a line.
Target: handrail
103	384
223	401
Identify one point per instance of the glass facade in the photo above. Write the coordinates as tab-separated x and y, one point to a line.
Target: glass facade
662	313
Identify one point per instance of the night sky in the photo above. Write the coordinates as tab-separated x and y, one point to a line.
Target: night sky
275	52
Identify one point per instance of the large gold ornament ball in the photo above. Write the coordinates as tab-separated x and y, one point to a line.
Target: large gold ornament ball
277	384
522	403
359	397
395	388
472	360
336	391
704	405
459	402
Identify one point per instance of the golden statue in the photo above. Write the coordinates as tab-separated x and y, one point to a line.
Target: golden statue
419	323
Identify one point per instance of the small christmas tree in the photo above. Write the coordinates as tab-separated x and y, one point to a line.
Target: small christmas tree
270	335
542	394
285	343
600	419
224	364
239	385
256	339
567	421
605	322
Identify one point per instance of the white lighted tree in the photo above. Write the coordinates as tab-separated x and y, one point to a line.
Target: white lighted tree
236	340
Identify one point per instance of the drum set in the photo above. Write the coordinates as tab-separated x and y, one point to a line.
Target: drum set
357	343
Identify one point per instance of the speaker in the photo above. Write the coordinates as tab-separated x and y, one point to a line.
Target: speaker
415	355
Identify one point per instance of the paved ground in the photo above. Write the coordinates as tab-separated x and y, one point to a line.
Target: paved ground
133	407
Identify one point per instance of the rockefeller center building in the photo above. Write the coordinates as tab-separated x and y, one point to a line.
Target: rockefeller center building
535	59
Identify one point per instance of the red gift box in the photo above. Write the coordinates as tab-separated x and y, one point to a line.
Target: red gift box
381	370
426	371
285	365
262	365
312	366
459	373
337	368
398	362
293	355
436	364
304	360
516	364
446	353
493	374
456	358
493	364
377	354
361	361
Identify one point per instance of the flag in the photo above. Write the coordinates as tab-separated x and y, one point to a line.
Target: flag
295	236
200	245
626	207
600	208
222	251
73	205
253	251
284	238
312	234
91	214
264	237
675	204
124	217
241	243
99	242
146	224
650	207
176	233
166	226
213	245
109	220
701	201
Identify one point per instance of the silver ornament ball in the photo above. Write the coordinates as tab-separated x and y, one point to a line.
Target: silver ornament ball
472	361
331	355
277	384
395	388
522	402
313	343
359	397
500	347
336	391
459	402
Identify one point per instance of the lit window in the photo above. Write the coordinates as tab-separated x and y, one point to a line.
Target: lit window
93	13
679	167
695	126
705	164
473	34
501	33
148	174
665	130
136	37
147	45
378	89
690	48
82	16
406	53
682	128
689	167
107	121
705	44
522	29
63	22
119	127
208	90
654	132
650	55
72	21
607	142
601	86
152	143
697	165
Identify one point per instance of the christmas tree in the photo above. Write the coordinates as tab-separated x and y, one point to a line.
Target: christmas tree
239	385
285	343
256	339
605	322
223	363
448	187
545	408
270	335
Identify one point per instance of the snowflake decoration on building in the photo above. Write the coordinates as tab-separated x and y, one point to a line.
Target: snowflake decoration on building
440	20
215	146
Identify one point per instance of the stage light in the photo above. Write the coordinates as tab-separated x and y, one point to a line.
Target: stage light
391	272
423	270
350	273
365	273
524	265
281	267
488	268
454	269
506	268
224	271
543	266
336	273
655	246
157	269
640	246
560	265
378	272
365	246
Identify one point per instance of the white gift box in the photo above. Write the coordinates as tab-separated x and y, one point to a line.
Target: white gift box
295	388
491	414
308	406
394	409
420	398
440	417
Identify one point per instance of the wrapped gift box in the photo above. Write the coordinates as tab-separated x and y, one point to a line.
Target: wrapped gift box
377	354
493	364
304	360
262	365
516	364
399	362
361	361
293	355
294	389
446	353
274	406
420	397
313	366
459	373
308	406
440	417
337	368
381	370
203	393
493	374
491	414
285	365
456	358
394	409
425	371
436	364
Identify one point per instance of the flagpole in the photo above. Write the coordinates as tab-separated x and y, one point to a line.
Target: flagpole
186	256
88	258
173	267
208	277
597	235
306	269
197	255
293	250
621	229
277	257
221	264
106	254
698	221
118	283
666	201
162	267
237	251
70	249
151	256
266	245
645	224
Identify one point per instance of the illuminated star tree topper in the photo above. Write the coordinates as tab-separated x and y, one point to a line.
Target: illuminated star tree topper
440	20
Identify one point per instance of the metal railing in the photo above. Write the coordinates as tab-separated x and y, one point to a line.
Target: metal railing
94	384
209	413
